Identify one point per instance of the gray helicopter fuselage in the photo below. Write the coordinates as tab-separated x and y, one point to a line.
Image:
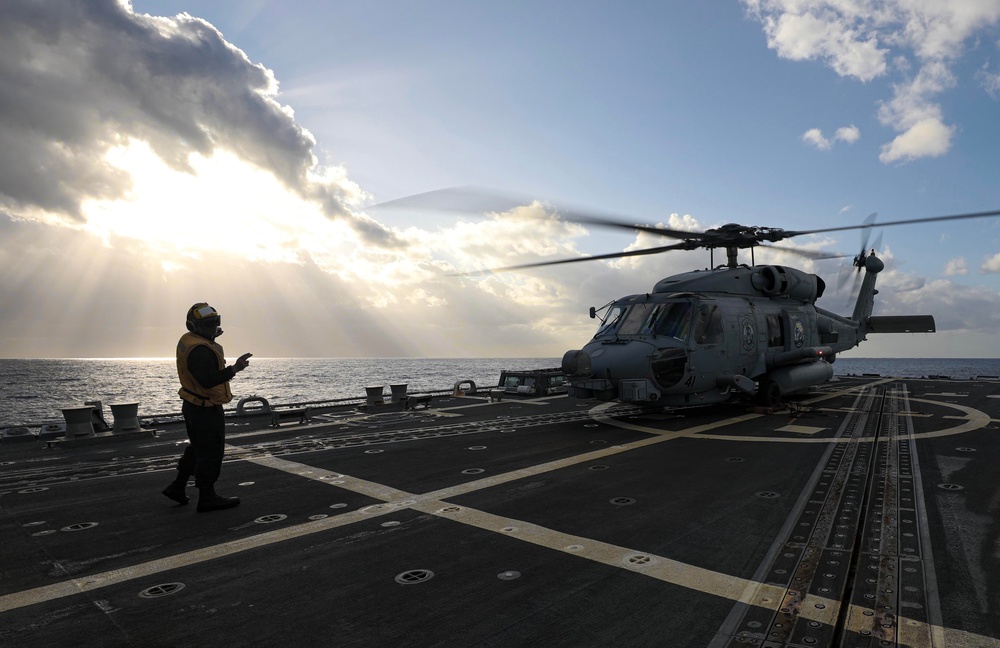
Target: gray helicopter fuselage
700	336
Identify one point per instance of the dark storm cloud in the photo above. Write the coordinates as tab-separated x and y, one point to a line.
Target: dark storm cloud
81	77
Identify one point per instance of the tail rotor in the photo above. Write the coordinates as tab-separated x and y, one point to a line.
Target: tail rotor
859	260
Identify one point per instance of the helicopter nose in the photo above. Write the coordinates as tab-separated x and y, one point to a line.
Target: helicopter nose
577	363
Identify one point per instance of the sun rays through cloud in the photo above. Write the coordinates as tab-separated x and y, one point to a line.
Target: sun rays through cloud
151	158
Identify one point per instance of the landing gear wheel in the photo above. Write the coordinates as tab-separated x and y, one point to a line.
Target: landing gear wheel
769	394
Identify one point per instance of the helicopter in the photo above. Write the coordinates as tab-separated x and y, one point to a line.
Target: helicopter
702	337
706	336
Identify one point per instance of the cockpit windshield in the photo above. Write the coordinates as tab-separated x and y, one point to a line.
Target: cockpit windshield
611	321
636	318
671	319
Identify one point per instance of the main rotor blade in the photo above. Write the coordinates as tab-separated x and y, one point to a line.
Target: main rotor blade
909	221
606	221
844	275
455	199
596	257
866	233
809	254
479	200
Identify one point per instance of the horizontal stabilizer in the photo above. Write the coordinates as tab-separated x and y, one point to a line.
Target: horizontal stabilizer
902	324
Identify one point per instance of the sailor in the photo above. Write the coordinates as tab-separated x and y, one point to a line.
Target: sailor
204	376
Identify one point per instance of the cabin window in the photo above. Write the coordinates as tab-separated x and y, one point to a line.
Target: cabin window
775	331
708	329
673	320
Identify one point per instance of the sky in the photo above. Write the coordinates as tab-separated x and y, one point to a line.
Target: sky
159	153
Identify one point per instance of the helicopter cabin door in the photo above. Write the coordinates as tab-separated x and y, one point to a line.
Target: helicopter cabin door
707	351
788	330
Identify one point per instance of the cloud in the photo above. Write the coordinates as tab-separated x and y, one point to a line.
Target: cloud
81	78
923	133
990	81
644	240
849	134
867	41
837	34
685	223
956	267
147	162
815	137
955	307
991	265
927	138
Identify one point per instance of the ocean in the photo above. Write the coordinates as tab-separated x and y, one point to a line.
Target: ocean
33	391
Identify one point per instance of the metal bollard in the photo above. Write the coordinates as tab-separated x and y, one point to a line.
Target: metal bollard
374	395
398	392
79	422
126	417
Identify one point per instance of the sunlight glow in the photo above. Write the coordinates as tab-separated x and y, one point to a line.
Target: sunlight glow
225	205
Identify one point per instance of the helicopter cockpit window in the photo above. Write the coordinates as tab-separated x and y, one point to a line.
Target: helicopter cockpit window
673	320
708	329
614	316
636	317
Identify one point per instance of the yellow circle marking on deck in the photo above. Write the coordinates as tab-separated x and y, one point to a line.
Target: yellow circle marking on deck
974	420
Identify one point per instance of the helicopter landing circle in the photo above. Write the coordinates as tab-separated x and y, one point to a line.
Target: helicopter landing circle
974	420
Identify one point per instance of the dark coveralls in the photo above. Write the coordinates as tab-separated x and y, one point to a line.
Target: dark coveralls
206	426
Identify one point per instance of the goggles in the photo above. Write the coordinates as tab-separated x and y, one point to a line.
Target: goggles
204	312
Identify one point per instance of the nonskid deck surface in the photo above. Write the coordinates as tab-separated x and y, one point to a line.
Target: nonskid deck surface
866	515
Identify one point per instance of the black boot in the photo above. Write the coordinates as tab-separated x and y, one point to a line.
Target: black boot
175	491
209	501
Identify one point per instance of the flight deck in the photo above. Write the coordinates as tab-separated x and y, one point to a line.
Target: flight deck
865	513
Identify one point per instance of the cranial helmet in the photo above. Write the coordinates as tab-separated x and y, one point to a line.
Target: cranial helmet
204	320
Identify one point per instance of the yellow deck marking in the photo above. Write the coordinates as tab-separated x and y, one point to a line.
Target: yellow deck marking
541	400
451	410
813	608
113	577
974	420
800	429
640	562
394	497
